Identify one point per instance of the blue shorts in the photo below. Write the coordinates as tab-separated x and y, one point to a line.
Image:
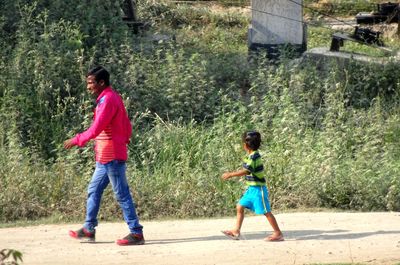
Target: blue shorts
256	199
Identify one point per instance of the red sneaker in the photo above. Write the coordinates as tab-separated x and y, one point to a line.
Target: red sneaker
83	233
131	239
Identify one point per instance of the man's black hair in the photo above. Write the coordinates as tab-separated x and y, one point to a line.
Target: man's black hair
100	73
252	139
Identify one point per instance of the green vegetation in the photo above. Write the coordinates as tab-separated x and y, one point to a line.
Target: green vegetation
331	138
10	257
340	7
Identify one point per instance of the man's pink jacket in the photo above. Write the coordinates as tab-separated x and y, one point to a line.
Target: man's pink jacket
110	112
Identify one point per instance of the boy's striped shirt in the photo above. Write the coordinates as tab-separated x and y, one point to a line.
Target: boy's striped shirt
254	165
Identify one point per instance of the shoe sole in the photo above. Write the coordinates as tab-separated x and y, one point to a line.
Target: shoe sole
83	239
131	244
230	235
87	240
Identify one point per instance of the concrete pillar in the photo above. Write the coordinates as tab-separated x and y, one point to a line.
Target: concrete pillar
275	24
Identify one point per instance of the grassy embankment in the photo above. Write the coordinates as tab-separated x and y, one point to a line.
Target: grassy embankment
331	139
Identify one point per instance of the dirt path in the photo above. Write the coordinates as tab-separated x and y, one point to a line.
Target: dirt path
368	238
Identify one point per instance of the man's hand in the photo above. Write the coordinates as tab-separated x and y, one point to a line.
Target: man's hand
68	144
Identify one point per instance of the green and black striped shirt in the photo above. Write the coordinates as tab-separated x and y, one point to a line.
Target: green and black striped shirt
253	164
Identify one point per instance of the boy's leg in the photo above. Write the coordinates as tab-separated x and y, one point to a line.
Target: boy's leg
235	232
277	234
95	191
239	218
116	173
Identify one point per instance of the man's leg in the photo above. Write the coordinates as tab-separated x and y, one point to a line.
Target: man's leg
95	191
116	171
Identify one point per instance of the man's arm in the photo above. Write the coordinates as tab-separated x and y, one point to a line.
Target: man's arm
104	114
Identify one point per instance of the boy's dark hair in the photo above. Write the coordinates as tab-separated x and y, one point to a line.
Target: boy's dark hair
100	73
252	139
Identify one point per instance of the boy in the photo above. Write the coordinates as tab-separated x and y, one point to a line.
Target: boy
111	129
256	196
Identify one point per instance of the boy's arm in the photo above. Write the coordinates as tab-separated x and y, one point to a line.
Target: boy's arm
239	173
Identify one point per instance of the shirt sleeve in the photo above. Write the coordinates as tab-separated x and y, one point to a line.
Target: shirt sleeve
248	164
105	111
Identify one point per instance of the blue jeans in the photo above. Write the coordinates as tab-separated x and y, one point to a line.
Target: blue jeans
113	172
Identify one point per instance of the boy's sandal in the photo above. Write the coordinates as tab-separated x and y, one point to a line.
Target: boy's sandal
231	235
274	238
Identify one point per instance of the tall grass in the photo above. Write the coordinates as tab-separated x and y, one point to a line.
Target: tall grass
330	137
317	154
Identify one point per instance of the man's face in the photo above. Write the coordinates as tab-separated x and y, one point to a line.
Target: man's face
94	87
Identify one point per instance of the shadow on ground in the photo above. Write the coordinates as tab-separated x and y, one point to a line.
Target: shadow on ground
291	235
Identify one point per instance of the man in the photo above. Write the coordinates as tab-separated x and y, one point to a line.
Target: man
111	129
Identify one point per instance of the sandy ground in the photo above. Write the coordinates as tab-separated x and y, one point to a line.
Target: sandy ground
367	238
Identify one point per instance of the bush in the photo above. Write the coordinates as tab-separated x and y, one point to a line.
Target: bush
5	255
330	138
